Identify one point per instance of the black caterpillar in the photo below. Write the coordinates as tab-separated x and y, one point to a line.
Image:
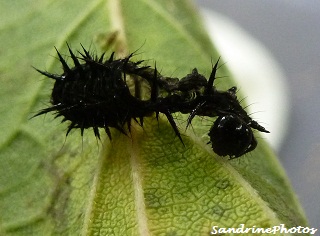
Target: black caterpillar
95	94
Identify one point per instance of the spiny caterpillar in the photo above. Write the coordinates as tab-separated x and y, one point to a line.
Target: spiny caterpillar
94	94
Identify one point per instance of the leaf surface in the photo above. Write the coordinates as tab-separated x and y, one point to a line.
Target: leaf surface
146	183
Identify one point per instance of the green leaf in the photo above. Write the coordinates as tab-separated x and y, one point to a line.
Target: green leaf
146	183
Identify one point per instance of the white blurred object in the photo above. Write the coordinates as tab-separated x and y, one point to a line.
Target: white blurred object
256	72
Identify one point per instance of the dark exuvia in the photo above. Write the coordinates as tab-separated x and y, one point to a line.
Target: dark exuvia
95	94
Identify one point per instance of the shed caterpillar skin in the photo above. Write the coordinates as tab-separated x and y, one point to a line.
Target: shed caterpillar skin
94	94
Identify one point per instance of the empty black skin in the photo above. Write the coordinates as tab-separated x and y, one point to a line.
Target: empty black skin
95	95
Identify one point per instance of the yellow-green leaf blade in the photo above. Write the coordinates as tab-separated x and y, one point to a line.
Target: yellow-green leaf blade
140	184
